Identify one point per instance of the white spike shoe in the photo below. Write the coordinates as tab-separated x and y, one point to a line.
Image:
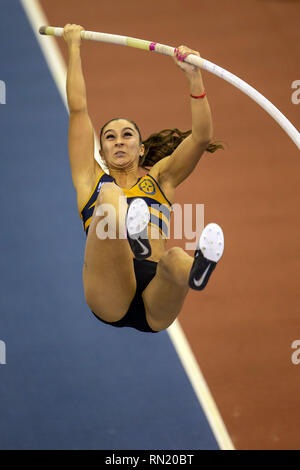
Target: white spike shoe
137	219
209	251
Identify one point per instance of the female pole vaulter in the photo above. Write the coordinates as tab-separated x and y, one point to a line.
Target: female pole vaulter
134	281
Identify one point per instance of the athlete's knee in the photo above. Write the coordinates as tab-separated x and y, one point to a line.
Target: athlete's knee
111	208
173	254
109	191
170	259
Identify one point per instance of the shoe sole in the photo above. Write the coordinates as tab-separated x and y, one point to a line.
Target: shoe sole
211	242
138	217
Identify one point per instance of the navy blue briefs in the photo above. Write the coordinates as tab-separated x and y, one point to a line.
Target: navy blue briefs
136	316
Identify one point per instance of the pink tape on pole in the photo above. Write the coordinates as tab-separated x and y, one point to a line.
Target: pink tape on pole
152	46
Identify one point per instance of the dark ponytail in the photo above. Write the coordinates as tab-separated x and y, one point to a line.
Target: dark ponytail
161	144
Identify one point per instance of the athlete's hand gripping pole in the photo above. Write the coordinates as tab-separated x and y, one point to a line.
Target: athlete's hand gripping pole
193	60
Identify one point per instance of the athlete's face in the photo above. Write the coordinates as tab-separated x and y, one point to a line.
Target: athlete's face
120	144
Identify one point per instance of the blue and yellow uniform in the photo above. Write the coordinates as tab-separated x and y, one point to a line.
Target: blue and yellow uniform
146	188
160	208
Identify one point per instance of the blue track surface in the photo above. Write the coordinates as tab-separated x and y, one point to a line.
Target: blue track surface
70	382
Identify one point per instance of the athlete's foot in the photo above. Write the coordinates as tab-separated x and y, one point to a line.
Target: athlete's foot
209	251
137	219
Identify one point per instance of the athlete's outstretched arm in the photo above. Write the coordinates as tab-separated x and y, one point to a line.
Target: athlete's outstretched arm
185	157
81	132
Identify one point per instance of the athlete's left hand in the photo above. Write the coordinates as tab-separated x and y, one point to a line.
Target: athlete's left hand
180	54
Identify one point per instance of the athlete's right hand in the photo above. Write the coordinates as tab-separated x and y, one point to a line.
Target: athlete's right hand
71	34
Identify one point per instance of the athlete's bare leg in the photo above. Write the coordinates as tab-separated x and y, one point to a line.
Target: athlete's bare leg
108	271
164	296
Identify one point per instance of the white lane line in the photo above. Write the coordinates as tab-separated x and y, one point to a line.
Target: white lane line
57	67
199	385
